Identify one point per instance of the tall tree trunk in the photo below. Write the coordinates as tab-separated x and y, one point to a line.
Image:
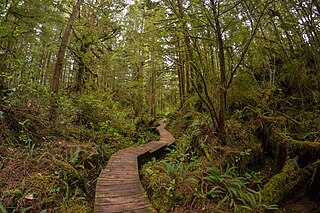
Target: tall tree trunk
153	93
187	53
181	75
80	83
223	80
63	46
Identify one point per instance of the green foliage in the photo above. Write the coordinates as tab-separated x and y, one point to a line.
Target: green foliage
174	180
45	185
199	121
88	129
231	192
275	189
27	140
294	74
72	179
146	53
17	199
244	91
3	209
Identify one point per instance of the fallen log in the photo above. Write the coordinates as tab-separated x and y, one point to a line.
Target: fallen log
287	181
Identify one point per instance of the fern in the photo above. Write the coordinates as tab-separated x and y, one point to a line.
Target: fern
71	176
233	190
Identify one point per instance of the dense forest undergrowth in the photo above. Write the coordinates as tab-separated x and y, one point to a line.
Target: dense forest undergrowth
53	166
269	164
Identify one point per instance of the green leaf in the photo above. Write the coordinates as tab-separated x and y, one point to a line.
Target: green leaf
23	122
233	191
214	192
24	210
247	208
222	202
232	203
270	207
3	209
214	170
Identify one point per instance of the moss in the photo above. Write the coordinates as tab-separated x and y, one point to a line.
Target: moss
277	188
42	182
13	192
45	185
162	202
171	182
295	147
75	208
304	147
155	181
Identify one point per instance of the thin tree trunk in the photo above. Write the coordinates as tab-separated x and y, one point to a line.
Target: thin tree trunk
47	67
153	93
63	46
223	80
181	76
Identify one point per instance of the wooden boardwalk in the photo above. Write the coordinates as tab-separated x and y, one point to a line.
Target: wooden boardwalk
118	187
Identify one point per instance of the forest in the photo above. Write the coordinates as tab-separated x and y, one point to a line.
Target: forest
236	81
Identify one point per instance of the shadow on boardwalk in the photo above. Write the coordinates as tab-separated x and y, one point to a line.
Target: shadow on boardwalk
118	187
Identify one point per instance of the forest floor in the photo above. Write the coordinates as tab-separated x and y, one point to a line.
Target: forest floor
48	166
57	176
36	182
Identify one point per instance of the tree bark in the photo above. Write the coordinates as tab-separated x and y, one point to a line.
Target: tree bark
181	75
223	80
63	46
80	83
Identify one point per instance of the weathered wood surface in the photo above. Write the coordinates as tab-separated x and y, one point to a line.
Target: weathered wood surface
118	187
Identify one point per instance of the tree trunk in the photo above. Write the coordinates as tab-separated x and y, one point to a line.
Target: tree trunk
153	94
181	76
223	81
80	83
63	46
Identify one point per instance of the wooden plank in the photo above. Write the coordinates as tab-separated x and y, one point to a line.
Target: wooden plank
113	187
139	208
115	182
120	193
118	188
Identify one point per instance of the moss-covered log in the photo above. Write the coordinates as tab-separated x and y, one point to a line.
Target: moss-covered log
288	147
287	181
278	142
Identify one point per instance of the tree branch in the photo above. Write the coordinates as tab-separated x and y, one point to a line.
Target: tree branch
245	50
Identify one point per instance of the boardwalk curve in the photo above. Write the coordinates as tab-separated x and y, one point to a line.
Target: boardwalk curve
118	187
